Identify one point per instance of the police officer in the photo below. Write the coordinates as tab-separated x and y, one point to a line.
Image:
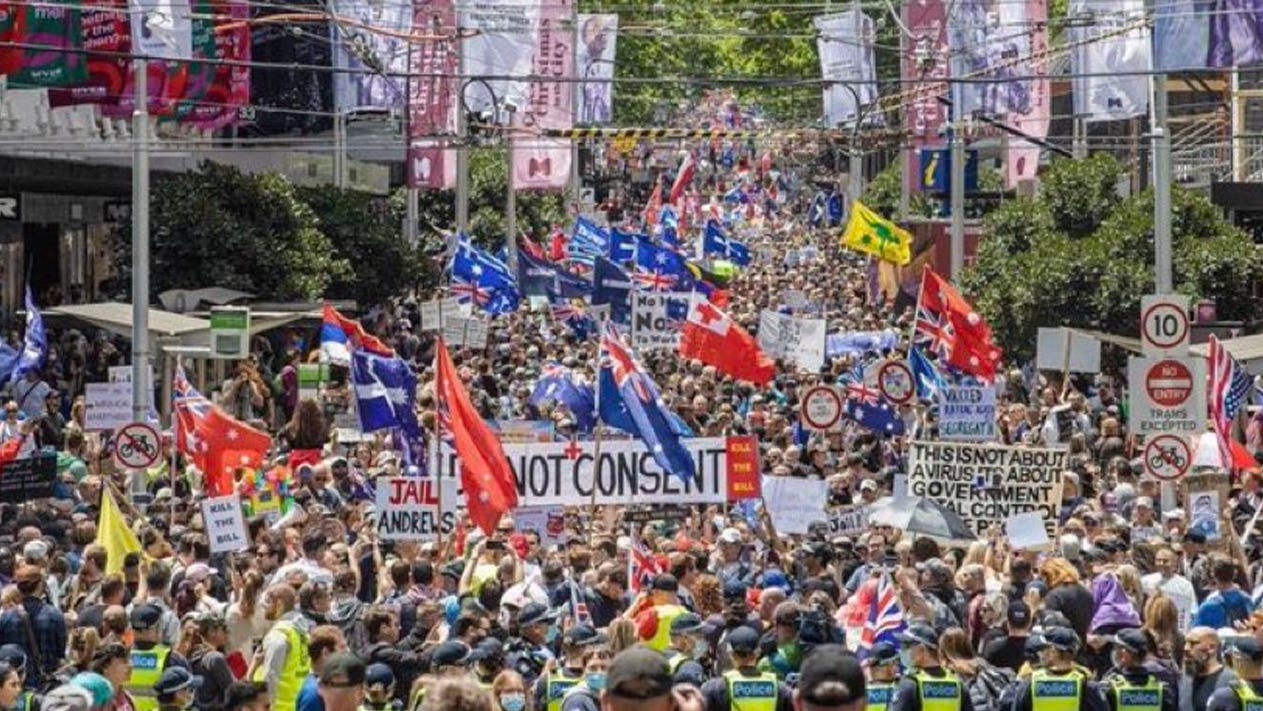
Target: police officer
1133	685
1245	693
150	658
379	689
560	678
686	648
926	685
176	689
654	613
1056	684
745	688
529	651
487	658
883	672
449	659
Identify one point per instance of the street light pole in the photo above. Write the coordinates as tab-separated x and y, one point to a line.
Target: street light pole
140	252
462	152
1163	280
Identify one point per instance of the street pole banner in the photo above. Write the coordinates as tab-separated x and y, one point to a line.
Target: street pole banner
801	340
432	97
793	503
594	67
845	45
370	39
1111	82
561	473
500	43
408	508
544	163
988	483
923	69
967	413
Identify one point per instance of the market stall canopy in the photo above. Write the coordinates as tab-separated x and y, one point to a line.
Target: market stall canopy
116	318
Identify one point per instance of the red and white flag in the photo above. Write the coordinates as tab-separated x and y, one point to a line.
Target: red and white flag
709	335
947	325
683	178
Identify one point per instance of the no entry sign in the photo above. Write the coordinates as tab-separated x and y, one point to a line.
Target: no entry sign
1169	383
821	408
1168	396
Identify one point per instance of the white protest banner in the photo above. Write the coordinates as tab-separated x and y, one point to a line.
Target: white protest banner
549	522
1051	345
1026	531
798	339
988	483
656	319
794	504
433	313
408	508
561	473
967	412
107	406
847	520
467	332
225	524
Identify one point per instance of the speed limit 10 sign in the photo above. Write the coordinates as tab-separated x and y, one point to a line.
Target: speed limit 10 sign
1164	325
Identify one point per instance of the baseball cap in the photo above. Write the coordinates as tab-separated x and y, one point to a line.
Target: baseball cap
145	617
1019	615
378	674
534	613
666	582
882	653
734	590
344	669
831	676
868	484
175	679
743	640
583	635
1061	638
1132	639
1248	647
919	634
686	623
638	673
730	535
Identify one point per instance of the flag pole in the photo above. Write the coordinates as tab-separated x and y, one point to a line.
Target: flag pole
596	449
438	435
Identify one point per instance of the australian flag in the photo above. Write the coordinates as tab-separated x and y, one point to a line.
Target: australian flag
715	242
486	281
660	268
623	246
559	384
629	400
540	278
574	316
611	285
871	411
885	618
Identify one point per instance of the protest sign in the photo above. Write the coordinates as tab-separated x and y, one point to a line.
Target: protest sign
515	431
1065	349
348	428
848	520
107	406
967	412
1206	495
637	513
548	522
408	508
434	313
800	340
28	479
988	483
1026	531
225	524
467	332
562	473
656	319
794	503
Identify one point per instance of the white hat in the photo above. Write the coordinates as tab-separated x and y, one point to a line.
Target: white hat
730	535
1174	514
868	484
1144	501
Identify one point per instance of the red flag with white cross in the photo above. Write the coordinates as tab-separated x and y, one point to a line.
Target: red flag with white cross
710	336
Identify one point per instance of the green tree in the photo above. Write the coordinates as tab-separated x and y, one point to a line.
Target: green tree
488	184
220	227
1078	255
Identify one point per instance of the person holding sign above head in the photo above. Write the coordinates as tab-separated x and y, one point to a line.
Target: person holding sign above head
926	685
1056	684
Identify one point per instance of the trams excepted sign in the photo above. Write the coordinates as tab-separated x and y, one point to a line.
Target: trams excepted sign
1168	396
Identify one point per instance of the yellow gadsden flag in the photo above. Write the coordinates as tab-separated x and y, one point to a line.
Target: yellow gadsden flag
113	535
873	234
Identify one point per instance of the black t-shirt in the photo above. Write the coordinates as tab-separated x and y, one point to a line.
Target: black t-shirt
1005	652
1204	686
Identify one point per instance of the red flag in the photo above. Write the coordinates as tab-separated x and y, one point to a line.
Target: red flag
953	330
557	246
710	336
485	474
222	445
10	450
683	178
653	208
532	248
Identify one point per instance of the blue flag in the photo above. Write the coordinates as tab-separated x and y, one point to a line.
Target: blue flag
623	246
540	278
481	278
612	286
660	268
559	384
588	240
629	400
34	344
870	410
385	393
715	242
574	316
928	379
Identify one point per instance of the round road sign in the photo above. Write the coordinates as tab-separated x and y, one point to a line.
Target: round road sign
894	380
1169	383
821	408
1168	457
136	446
1164	326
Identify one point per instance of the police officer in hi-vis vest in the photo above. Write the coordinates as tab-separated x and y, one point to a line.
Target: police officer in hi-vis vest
1245	693
560	677
745	688
1133	684
1056	684
926	685
149	657
883	671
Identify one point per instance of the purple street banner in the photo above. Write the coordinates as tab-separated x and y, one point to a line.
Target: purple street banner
432	100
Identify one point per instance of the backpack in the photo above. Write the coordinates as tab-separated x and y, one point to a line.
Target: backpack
987	686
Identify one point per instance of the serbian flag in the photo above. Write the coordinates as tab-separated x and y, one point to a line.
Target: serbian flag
339	334
683	178
485	474
226	445
710	336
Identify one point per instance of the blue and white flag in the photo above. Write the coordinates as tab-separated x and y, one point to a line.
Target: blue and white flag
588	241
623	246
715	242
385	393
34	344
928	379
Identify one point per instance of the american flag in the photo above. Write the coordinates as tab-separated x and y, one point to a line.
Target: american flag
1229	389
642	566
885	617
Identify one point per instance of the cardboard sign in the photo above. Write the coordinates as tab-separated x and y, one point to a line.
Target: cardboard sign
107	406
800	340
467	332
1026	532
434	313
794	503
28	479
1052	343
848	520
967	413
988	483
656	320
548	522
225	524
408	508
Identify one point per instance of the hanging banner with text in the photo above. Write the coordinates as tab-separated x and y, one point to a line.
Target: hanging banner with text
967	412
988	483
561	473
408	508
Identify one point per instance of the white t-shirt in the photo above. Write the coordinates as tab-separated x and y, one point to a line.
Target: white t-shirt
1179	589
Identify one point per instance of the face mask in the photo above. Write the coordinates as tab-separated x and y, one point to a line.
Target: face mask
905	658
513	702
596	681
701	649
552	634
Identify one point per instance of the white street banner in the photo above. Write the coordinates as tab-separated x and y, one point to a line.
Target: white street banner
798	339
988	483
845	45
967	412
163	29
562	473
1111	65
408	508
434	313
793	503
594	67
657	320
225	524
501	44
